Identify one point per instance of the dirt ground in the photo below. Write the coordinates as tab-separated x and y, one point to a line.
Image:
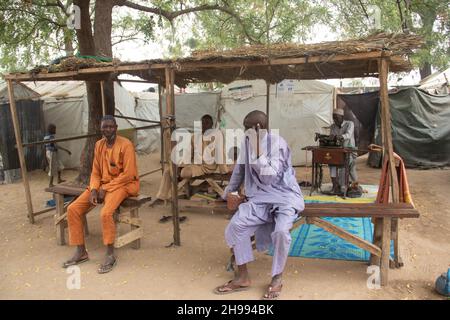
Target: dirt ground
31	260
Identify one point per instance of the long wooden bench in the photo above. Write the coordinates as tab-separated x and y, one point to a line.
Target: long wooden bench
384	216
127	213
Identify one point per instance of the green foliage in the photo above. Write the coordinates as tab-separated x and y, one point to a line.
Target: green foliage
261	21
428	18
30	34
35	32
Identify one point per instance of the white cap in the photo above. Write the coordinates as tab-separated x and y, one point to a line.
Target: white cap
338	111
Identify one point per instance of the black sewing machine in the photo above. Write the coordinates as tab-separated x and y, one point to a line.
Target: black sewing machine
326	140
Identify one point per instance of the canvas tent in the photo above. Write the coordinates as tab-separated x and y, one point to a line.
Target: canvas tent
437	83
29	111
192	106
65	105
420	125
300	109
147	108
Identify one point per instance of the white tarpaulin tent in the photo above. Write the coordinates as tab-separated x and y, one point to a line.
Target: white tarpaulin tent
65	105
147	107
190	107
298	109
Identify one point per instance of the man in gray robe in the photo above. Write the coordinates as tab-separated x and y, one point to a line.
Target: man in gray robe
274	201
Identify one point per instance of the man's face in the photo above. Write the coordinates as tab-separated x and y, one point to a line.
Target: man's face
248	124
108	129
206	124
338	119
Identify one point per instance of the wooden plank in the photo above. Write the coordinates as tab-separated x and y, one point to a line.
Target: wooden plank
385	250
134	217
23	165
298	223
65	189
135	201
129	237
215	186
388	206
60	218
348	212
102	90
130	220
377	232
191	66
37	213
60	236
398	263
327	210
43	76
346	235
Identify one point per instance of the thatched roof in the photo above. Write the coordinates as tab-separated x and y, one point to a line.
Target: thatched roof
273	63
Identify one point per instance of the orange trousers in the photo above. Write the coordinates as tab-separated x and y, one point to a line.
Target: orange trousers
81	206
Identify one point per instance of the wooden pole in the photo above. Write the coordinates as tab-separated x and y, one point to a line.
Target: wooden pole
23	165
386	125
170	112
161	120
267	102
150	172
102	88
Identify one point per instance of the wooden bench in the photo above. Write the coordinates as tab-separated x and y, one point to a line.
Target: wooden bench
211	179
127	213
384	216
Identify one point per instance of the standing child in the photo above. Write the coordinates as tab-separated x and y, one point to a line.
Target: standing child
55	165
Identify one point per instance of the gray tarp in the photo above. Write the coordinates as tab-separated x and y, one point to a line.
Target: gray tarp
420	128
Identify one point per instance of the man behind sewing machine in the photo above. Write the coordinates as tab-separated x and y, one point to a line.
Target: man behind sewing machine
342	129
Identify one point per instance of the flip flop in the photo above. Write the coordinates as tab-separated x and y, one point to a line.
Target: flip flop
167	218
233	288
105	268
69	263
270	291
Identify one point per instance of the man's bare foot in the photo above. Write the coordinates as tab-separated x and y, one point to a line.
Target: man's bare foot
274	289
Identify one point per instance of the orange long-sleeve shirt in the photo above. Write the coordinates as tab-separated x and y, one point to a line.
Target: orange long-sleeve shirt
114	167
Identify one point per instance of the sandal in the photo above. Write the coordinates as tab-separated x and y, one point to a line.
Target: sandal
272	293
71	262
229	287
107	267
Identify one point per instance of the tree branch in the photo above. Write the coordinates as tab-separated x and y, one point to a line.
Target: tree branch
35	15
171	15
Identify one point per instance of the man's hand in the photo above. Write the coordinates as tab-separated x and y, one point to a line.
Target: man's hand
93	198
101	195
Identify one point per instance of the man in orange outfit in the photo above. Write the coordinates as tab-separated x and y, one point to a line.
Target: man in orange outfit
114	177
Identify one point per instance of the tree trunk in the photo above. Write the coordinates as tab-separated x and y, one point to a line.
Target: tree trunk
428	18
90	44
425	71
